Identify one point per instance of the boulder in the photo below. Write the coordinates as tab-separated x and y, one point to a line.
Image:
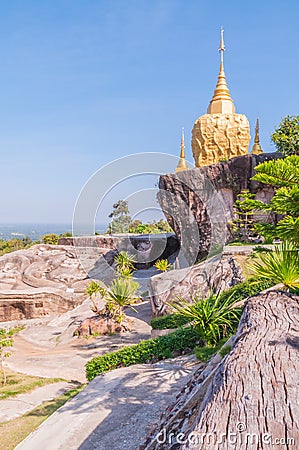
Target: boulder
214	275
102	324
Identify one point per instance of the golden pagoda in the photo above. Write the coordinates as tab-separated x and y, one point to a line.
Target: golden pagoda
182	165
221	133
256	148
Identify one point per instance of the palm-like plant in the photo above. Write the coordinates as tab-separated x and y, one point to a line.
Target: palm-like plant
125	263
213	317
121	293
281	265
92	290
163	265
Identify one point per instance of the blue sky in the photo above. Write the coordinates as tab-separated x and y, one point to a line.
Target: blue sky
83	82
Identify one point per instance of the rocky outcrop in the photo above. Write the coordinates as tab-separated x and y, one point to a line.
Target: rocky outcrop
18	305
41	280
147	248
214	275
102	324
206	196
250	398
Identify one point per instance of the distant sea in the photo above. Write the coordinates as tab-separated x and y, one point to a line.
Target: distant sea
35	231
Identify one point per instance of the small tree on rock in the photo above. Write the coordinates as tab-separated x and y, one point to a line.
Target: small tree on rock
286	136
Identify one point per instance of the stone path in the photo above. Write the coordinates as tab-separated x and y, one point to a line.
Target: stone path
48	349
115	411
23	403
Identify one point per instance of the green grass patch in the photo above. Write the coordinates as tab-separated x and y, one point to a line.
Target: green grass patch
182	341
16	430
203	354
19	383
168	321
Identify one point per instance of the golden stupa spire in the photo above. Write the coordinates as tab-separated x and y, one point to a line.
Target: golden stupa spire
182	165
221	102
256	148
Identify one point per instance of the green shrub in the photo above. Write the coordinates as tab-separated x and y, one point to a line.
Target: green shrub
213	317
246	289
169	321
182	341
280	265
203	354
239	292
225	350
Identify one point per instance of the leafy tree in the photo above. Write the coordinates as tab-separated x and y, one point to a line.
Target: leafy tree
246	210
162	226
15	244
286	136
6	342
121	218
50	239
284	175
66	234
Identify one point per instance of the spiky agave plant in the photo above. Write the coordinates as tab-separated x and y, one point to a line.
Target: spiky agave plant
121	293
163	265
125	263
214	317
281	265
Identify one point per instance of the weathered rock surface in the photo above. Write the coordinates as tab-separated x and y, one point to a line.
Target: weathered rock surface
250	399
214	275
31	304
206	195
101	324
147	248
41	280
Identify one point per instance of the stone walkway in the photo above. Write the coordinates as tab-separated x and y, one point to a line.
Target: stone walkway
48	348
23	403
115	411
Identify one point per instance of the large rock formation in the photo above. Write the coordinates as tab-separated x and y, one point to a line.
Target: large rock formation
42	280
147	248
214	275
250	398
206	195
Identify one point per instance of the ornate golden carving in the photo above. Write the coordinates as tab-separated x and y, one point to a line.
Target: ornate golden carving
217	137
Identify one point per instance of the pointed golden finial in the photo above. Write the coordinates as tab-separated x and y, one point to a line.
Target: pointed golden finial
221	102
182	165
256	148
